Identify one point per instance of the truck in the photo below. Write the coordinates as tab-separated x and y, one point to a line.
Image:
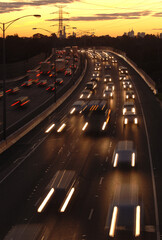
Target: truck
60	65
75	51
67	51
33	75
45	68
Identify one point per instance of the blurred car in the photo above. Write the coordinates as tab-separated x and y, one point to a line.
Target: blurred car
96	79
108	93
124	154
96	74
27	84
122	77
114	60
130	94
91	85
124	70
127	85
13	90
59	81
68	72
86	93
1	94
107	78
107	67
125	213
97	64
110	85
130	117
77	107
129	106
21	101
97	68
42	83
50	87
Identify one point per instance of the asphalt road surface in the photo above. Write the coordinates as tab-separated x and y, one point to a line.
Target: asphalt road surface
31	163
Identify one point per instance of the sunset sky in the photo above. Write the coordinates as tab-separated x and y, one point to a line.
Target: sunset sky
101	17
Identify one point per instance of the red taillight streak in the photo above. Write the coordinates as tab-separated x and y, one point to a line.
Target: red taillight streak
48	88
15	103
24	103
8	91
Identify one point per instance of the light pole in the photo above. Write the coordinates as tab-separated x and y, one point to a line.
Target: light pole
42	29
4	27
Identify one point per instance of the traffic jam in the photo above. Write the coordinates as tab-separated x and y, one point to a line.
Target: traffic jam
49	76
95	109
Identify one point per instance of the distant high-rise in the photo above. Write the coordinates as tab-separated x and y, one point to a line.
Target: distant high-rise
141	34
131	33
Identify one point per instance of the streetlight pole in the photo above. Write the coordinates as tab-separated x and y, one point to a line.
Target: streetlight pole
4	27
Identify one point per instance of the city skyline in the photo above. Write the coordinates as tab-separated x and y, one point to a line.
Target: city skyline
86	16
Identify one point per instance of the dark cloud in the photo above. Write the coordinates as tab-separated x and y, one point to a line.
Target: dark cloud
6	7
159	14
111	16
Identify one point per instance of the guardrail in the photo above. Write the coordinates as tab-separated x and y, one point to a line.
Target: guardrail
142	74
44	110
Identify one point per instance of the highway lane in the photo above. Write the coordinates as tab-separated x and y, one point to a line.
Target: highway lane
37	96
91	158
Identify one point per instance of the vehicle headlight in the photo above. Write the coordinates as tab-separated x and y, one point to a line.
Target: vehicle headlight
104	79
133	96
130	85
111	94
81	95
127	96
124	110
89	96
120	78
133	110
113	87
110	79
136	120
125	120
104	126
104	95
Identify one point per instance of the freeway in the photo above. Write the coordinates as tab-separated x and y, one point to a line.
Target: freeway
33	161
38	98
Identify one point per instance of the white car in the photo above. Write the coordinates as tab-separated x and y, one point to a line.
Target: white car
130	117
129	106
127	85
85	94
124	154
125	213
107	78
108	93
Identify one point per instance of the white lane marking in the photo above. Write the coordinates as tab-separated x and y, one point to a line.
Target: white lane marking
60	150
68	154
107	159
149	228
3	179
101	179
36	204
152	172
90	214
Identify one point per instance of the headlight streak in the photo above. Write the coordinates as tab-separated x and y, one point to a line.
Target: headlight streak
133	160
63	208
43	204
85	126
81	95
137	229
104	126
61	128
116	160
50	128
126	121
113	222
136	120
72	111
